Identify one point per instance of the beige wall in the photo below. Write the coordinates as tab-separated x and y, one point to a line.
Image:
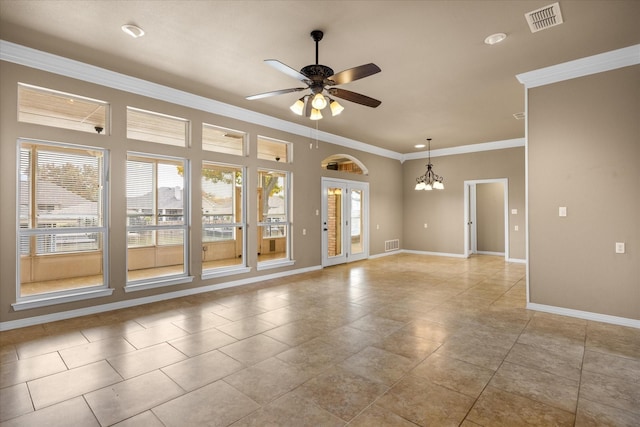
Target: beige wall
443	211
490	217
584	154
385	177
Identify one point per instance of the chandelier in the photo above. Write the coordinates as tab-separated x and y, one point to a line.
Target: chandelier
430	179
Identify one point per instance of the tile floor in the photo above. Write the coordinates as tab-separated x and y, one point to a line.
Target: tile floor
403	340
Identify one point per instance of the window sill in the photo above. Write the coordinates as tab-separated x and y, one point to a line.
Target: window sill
44	301
157	283
222	272
268	265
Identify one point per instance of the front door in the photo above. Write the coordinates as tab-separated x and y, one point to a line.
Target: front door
344	221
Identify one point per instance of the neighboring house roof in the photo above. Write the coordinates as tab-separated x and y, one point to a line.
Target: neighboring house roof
60	200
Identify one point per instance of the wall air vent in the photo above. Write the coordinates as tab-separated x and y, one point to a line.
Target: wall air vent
391	245
545	17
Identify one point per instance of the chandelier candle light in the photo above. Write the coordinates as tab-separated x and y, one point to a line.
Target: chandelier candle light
430	179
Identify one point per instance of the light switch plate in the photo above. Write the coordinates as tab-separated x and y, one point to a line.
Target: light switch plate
562	211
620	247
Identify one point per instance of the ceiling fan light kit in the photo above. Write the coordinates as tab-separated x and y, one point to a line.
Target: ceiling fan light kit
320	78
430	180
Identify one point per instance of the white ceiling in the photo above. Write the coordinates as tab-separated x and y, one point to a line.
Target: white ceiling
438	78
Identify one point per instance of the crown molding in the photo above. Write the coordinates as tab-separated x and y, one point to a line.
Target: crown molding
33	58
465	149
581	67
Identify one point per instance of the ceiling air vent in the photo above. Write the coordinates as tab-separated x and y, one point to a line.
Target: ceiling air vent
543	18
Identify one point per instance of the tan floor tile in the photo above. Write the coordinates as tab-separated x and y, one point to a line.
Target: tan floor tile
267	380
202	342
245	328
612	366
201	322
111	330
238	312
290	410
409	346
162	317
377	325
131	397
454	374
94	351
280	316
350	339
610	391
378	365
145	419
430	330
74	382
146	360
74	412
473	352
216	404
255	349
14	401
379	417
592	414
537	385
295	333
502	409
30	369
313	356
202	370
155	335
425	403
341	392
613	339
49	344
8	354
561	364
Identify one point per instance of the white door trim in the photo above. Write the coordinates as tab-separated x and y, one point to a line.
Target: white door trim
469	213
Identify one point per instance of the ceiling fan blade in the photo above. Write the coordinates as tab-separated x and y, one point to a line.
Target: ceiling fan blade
358	98
354	73
274	93
287	70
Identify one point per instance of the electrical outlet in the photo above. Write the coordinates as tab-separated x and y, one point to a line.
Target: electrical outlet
515	228
425	225
620	247
304	231
562	211
514	211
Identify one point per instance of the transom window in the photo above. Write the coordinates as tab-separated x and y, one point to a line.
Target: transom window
157	127
272	149
223	140
62	110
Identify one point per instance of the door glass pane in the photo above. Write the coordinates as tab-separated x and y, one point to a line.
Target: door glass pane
356	221
334	221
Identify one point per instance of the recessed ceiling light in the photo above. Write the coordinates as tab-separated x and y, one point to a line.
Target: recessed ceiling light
419	145
133	30
495	38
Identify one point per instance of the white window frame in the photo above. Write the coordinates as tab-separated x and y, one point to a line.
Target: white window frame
176	279
236	269
287	223
69	295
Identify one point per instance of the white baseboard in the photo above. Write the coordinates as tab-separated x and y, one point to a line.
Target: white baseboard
490	253
517	260
587	315
408	251
53	317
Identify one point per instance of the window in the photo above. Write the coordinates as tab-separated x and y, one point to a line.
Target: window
273	215
222	140
222	217
62	110
157	219
61	218
156	127
272	149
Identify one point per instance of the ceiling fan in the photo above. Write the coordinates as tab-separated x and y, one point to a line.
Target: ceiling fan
319	79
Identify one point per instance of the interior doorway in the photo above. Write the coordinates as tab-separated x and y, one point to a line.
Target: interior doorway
345	221
486	217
